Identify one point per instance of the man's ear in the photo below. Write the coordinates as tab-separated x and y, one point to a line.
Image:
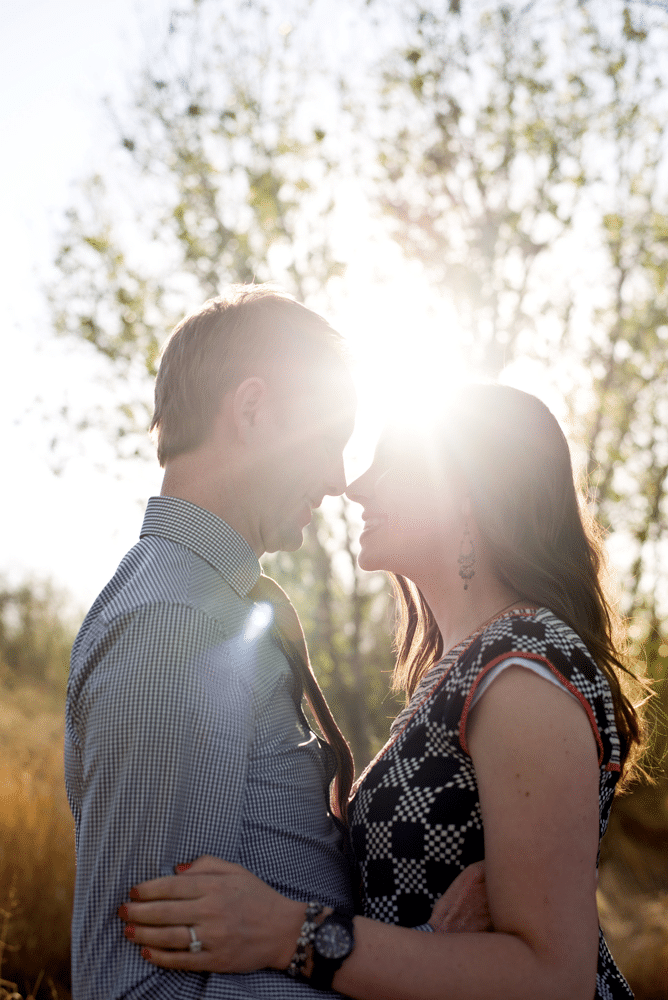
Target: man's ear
249	402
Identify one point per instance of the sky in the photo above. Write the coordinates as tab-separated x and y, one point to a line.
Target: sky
58	59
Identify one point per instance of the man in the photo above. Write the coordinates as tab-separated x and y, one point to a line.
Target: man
185	734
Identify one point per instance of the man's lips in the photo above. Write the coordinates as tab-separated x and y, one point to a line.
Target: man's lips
306	514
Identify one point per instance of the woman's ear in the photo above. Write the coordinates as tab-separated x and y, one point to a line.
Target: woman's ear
249	403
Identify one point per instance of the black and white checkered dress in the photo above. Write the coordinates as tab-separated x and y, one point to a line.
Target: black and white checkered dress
415	816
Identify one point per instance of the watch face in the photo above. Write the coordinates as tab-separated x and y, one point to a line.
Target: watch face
333	941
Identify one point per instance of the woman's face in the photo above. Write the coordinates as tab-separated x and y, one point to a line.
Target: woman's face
414	508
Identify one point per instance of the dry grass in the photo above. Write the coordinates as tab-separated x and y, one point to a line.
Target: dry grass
633	893
37	865
36	850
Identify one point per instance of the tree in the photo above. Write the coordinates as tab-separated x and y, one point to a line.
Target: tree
514	151
529	154
226	180
217	178
526	150
36	635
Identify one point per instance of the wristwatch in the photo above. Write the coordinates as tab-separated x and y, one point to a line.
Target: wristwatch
333	942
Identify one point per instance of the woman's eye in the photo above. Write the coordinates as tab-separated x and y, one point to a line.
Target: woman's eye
387	456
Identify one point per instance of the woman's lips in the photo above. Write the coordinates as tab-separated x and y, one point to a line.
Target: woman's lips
373	521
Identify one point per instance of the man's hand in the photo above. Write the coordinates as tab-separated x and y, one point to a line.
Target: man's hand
463	908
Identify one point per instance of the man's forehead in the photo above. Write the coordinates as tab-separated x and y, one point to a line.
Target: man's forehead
333	410
318	398
330	390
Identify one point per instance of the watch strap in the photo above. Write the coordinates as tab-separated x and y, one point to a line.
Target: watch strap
324	969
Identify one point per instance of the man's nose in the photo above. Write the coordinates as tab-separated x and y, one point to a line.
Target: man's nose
336	479
354	492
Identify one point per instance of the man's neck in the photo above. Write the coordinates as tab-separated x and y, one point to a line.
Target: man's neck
186	480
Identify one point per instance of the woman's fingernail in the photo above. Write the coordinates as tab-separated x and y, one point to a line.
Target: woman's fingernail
123	912
183	868
134	893
145	953
129	931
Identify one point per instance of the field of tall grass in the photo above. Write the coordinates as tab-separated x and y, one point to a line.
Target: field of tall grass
37	865
36	849
633	892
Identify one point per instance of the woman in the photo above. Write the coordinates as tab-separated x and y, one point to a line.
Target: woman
516	733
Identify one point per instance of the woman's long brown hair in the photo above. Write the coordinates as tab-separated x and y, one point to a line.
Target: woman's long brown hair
288	632
345	768
543	542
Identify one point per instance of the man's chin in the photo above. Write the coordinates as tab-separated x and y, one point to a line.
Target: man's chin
294	544
289	542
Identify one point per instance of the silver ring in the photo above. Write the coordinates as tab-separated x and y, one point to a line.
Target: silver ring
195	944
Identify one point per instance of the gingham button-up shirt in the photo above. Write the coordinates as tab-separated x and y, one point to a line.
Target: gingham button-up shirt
183	738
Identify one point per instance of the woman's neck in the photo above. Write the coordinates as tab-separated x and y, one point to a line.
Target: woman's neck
459	612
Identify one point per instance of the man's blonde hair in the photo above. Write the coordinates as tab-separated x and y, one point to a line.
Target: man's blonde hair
242	333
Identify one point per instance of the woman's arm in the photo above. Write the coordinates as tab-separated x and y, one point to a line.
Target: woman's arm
536	762
237	915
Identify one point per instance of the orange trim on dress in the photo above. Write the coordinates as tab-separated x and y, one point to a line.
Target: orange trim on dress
562	680
469	640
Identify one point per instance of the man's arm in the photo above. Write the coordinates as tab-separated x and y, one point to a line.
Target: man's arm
165	719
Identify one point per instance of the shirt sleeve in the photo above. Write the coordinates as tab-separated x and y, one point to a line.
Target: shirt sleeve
164	722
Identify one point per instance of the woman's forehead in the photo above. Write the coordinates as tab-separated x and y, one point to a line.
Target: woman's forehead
398	435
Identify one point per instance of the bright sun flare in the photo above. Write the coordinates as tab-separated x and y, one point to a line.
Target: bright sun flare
408	352
406	347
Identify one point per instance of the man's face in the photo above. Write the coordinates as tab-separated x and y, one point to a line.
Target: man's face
302	459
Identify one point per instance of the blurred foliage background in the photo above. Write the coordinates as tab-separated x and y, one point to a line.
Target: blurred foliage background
517	154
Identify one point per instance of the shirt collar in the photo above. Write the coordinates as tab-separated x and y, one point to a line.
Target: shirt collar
207	536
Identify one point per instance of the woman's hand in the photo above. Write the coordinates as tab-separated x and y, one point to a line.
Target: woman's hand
242	923
464	907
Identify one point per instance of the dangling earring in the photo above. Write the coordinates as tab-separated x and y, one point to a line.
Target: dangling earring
466	558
